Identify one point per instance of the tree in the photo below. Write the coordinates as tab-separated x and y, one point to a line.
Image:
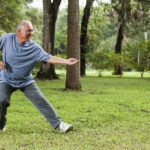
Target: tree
137	56
83	38
101	60
141	17
50	11
73	45
11	14
123	13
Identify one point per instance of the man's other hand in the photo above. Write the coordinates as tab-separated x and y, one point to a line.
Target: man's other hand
2	65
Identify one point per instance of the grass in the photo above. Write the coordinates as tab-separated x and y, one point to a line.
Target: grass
106	73
108	114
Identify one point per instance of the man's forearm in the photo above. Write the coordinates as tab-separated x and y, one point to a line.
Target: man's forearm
57	60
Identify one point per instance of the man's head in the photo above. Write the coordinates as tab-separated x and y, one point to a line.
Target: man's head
24	31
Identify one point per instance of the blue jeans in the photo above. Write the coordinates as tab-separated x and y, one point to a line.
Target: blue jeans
34	95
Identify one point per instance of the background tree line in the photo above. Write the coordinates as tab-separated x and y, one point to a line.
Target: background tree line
113	35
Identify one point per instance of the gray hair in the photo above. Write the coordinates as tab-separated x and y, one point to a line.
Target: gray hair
22	23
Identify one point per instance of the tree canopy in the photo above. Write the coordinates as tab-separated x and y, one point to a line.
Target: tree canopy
11	13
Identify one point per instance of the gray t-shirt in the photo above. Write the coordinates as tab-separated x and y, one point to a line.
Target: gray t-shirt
20	60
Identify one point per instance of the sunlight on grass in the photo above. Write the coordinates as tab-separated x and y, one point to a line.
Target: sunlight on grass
106	73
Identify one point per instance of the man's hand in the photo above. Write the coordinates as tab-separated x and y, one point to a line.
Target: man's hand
71	61
2	65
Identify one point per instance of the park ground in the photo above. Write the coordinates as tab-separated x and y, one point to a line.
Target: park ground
110	113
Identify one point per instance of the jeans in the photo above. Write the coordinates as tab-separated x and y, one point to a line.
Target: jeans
34	94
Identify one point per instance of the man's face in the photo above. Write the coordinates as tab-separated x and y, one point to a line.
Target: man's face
26	32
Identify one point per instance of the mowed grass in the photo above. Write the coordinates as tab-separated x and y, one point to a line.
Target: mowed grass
108	114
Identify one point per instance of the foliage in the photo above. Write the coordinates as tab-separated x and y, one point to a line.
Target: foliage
105	60
10	14
61	31
138	56
140	20
110	113
101	30
35	15
107	44
94	28
136	15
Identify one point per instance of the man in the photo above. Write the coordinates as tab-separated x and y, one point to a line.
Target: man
19	56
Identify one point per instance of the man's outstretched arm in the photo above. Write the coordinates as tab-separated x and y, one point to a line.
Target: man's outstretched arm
58	60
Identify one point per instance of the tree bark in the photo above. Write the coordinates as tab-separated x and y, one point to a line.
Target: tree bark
83	38
119	42
50	11
118	47
73	45
138	57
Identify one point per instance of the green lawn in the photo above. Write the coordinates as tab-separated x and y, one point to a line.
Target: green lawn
108	114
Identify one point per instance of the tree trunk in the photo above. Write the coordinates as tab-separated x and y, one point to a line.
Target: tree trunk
138	57
73	45
118	47
50	11
83	38
119	42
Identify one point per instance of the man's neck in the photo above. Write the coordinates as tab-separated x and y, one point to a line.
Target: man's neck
21	41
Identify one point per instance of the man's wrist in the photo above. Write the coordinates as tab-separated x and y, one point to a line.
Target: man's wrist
66	62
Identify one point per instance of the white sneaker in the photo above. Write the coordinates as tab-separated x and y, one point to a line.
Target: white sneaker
65	127
3	129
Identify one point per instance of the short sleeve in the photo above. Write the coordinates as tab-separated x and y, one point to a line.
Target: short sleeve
42	56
